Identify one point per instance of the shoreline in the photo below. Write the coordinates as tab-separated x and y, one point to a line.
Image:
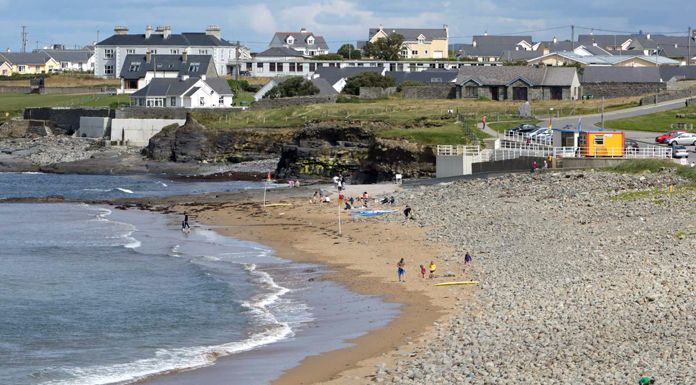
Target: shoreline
364	263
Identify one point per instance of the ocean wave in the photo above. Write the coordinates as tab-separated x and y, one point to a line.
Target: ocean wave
125	190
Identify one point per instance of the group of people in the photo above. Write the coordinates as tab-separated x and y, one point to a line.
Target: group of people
430	270
293	183
535	166
340	182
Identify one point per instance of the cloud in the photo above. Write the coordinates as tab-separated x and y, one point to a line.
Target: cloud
257	17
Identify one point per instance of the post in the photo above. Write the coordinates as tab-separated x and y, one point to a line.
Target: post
339	212
602	112
688	59
572	38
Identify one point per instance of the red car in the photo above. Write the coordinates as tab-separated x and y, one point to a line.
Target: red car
662	138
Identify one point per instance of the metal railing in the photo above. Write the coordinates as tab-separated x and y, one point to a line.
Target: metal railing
448	150
514	150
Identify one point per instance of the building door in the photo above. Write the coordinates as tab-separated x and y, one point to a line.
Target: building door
556	93
494	93
437	55
519	93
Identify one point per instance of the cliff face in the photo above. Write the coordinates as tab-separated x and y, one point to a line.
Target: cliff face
194	142
330	148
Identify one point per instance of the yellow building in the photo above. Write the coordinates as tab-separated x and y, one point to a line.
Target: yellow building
419	43
602	143
5	68
30	62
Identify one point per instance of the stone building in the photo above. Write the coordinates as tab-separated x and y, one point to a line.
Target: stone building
518	83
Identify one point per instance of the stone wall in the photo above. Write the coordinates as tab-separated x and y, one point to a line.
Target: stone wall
65	119
296	101
14	90
668	95
618	90
78	90
376	92
509	165
445	91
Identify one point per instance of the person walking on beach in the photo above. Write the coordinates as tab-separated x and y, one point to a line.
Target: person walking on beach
185	223
423	271
467	258
407	213
432	267
401	270
535	166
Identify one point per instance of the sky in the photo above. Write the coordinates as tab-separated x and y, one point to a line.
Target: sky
78	22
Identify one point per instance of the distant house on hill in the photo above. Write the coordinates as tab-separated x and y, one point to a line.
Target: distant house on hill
518	83
139	70
30	62
79	60
573	58
419	43
184	92
5	68
304	42
492	48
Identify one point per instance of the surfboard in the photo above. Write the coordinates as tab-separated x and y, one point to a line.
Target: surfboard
457	283
370	213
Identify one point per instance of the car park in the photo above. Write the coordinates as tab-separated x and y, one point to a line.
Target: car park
662	138
680	151
684	138
521	129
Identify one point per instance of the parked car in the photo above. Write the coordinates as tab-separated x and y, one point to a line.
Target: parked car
680	151
521	129
533	134
662	138
684	138
631	146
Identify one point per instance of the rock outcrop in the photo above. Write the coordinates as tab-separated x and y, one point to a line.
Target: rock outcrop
330	148
193	142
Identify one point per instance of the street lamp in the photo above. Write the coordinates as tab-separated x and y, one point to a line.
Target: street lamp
551	118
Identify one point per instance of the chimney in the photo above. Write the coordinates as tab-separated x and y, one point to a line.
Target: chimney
303	30
213	30
148	57
166	31
121	30
485	33
184	56
203	77
446	28
148	31
648	36
474	43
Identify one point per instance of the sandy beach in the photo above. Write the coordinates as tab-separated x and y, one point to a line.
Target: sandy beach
363	258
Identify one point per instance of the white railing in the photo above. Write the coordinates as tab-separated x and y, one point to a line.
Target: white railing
447	150
528	139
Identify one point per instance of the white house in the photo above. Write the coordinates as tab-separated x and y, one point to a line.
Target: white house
184	92
305	42
110	54
77	60
139	70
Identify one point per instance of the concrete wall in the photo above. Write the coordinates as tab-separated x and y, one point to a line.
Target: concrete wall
297	101
65	118
94	127
668	95
14	90
617	90
137	132
376	92
452	165
445	91
150	113
518	164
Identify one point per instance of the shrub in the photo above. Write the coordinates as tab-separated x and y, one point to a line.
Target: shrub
330	56
366	79
238	85
294	86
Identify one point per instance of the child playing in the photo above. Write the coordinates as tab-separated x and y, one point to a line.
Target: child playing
433	267
422	271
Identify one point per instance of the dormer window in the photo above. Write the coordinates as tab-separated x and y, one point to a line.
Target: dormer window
421	39
290	40
134	66
310	40
194	67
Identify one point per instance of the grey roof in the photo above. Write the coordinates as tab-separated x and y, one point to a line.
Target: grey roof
183	39
167	63
73	56
192	91
412	34
603	41
519	55
559	45
597	50
428	76
25	58
621	75
334	74
279	40
502	76
679	72
325	89
500	40
165	87
280	52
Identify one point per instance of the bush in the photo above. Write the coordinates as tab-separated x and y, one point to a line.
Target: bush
409	83
238	85
347	99
294	86
366	79
331	56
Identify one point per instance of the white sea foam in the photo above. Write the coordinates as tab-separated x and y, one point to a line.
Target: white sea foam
32	173
125	190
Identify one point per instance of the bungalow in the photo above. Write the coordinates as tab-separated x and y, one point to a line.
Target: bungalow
79	60
573	58
30	62
304	42
184	92
518	83
5	68
419	43
614	82
139	70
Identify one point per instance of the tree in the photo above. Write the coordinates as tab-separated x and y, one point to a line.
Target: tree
348	51
366	79
386	48
294	86
328	56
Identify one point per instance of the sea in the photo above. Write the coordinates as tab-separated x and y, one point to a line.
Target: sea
94	295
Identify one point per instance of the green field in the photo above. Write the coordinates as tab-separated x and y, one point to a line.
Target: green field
13	104
657	122
506	125
447	134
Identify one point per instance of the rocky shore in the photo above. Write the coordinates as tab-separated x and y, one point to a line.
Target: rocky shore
583	280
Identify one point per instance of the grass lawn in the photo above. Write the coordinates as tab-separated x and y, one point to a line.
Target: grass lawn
244	96
506	125
12	105
447	134
657	122
67	79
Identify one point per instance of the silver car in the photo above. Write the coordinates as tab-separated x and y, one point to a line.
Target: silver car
685	138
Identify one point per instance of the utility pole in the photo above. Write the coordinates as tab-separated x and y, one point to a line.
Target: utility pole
691	36
24	38
572	37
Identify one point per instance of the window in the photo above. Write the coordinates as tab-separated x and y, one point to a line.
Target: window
290	40
221	101
249	66
130	51
272	67
202	51
108	54
134	66
201	101
194	67
426	51
154	51
599	140
312	67
414	52
259	65
299	67
21	68
404	53
132	84
108	69
310	40
174	51
292	67
172	101
471	91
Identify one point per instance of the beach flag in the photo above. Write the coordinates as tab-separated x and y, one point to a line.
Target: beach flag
268	177
579	124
